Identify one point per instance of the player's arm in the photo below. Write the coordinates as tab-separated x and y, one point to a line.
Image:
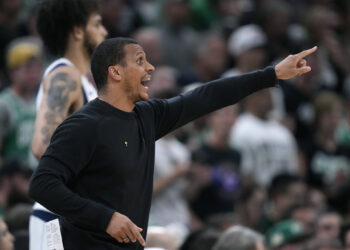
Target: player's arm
62	95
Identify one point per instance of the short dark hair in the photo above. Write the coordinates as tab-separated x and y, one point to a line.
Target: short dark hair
109	52
57	18
281	183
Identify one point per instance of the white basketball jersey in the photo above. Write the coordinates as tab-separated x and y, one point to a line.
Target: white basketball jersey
89	91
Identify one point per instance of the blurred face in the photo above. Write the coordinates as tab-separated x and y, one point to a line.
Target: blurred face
295	195
223	119
317	200
260	103
163	80
215	57
6	238
252	59
27	76
136	73
329	226
307	216
177	13
95	33
151	43
328	121
255	203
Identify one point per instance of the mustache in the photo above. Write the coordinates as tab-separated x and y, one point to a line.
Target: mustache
145	76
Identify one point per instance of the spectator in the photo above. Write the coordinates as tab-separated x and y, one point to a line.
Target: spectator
216	194
286	192
317	199
209	62
322	24
178	37
249	206
240	238
306	215
327	161
150	39
17	102
247	45
328	225
119	17
267	147
163	82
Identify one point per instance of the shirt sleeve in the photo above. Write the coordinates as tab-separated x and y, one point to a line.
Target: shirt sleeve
71	148
214	95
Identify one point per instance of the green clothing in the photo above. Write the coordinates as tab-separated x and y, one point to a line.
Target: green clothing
17	117
343	134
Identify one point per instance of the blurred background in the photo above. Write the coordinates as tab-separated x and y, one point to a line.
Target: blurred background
277	163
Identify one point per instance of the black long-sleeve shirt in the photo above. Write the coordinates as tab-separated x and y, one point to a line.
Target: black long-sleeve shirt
100	160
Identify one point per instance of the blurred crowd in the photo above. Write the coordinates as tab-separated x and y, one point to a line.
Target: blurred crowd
271	172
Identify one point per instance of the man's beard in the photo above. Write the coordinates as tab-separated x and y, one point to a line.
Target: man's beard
89	44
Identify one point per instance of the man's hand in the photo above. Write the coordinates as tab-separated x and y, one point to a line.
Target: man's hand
124	230
293	65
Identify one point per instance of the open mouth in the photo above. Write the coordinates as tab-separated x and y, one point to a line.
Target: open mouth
145	80
143	83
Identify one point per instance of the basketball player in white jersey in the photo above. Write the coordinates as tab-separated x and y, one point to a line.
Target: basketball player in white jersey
70	30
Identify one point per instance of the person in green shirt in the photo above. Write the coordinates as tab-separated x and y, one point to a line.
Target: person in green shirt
17	102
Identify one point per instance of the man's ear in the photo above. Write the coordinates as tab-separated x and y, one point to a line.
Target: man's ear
78	33
114	72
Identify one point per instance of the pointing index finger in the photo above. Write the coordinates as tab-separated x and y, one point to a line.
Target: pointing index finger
139	236
305	53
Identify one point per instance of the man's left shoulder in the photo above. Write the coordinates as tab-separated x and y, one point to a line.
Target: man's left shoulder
150	105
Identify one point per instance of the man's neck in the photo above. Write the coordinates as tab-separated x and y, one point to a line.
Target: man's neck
79	57
117	99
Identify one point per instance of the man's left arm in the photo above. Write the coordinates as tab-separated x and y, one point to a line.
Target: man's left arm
214	95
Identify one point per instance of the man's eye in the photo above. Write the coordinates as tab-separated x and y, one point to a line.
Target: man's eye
139	61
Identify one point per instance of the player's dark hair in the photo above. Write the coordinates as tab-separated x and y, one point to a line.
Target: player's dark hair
110	52
57	18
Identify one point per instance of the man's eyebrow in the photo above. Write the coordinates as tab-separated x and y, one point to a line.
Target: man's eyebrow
140	52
